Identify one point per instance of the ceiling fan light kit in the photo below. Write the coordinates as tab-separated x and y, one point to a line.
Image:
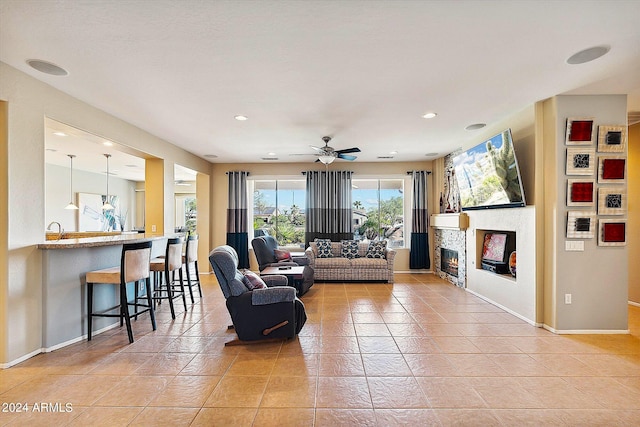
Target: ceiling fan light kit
327	154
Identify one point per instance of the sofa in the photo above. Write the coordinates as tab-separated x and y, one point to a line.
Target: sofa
358	267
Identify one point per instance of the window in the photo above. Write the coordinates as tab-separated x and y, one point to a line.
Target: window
278	210
378	210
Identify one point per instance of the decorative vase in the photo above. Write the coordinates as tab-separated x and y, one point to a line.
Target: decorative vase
512	263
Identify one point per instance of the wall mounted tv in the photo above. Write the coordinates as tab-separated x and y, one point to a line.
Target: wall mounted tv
488	175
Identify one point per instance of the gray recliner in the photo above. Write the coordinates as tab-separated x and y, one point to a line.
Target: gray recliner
274	312
264	249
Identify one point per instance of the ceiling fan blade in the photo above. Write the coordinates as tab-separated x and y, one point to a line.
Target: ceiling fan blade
317	148
303	154
348	150
346	156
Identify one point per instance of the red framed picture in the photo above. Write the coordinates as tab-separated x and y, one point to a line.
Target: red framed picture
612	169
580	131
612	232
581	192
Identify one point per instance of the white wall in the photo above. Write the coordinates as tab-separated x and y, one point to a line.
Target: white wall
597	278
57	195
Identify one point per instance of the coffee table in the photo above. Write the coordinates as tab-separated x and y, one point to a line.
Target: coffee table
294	274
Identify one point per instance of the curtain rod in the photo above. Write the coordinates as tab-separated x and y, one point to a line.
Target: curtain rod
227	173
305	172
410	172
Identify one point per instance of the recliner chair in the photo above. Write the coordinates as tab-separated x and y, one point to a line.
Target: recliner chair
264	248
259	314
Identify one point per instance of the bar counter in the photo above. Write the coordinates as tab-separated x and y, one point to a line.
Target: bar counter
64	292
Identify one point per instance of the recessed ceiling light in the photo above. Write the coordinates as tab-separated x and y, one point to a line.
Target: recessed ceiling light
60	134
211	156
271	154
107	143
429	115
393	152
53	150
241	118
588	55
475	126
431	154
131	166
47	67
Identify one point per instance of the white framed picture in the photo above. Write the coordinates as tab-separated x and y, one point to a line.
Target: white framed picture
581	224
581	161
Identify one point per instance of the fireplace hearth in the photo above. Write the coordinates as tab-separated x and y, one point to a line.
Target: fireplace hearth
449	261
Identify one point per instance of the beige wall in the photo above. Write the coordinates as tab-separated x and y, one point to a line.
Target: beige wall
4	237
220	184
633	190
28	102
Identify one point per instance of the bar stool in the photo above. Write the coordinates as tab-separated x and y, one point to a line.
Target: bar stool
191	257
168	265
134	266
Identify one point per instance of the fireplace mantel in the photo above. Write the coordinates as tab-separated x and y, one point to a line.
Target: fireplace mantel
450	221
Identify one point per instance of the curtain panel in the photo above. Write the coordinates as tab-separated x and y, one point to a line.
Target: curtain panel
328	207
419	256
237	236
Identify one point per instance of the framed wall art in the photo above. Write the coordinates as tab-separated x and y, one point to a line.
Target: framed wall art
612	200
612	232
91	217
612	139
612	169
581	161
580	131
581	224
581	192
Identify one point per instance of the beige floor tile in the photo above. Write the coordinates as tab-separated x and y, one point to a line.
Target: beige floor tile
343	392
329	344
186	391
252	364
340	365
224	417
104	417
377	345
296	366
455	345
290	392
467	417
414	344
396	392
165	364
406	417
206	364
122	363
134	391
284	417
169	416
240	392
430	365
450	392
385	365
345	418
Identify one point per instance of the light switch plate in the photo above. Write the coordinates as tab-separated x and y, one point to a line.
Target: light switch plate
574	246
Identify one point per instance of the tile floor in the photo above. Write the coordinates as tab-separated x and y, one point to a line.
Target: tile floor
417	352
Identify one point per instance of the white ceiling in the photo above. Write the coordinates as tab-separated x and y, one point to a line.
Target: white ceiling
363	72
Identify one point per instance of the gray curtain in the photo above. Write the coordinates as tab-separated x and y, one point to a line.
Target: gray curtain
328	208
237	236
419	252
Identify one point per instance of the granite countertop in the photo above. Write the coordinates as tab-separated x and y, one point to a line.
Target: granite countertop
92	242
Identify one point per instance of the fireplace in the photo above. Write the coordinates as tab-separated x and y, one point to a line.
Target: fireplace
449	261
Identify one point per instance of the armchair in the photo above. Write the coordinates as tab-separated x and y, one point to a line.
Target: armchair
264	248
271	313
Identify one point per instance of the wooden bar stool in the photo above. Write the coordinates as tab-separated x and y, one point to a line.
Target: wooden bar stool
168	265
191	257
134	266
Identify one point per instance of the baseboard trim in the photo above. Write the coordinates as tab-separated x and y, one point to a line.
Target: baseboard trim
21	359
587	331
508	310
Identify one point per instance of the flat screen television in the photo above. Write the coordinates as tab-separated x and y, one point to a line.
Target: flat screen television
488	175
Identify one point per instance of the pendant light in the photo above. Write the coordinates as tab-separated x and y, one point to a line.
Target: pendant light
107	206
71	205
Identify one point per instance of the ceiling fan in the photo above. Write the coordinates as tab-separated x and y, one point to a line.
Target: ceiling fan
328	154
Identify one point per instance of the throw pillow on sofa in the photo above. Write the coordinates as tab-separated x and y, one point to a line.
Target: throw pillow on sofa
349	249
282	255
252	281
376	249
324	248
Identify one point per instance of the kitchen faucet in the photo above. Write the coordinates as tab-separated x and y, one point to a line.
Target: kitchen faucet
60	230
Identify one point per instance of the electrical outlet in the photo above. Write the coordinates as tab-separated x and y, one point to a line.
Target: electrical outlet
567	298
153	228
